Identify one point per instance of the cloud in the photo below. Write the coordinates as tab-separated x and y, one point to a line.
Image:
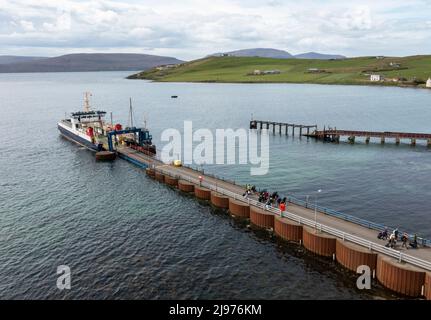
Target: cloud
26	25
191	28
61	24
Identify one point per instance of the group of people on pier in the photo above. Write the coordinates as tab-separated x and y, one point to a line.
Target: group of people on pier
393	238
272	200
249	190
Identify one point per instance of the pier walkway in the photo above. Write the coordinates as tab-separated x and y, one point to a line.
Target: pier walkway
334	135
369	236
416	261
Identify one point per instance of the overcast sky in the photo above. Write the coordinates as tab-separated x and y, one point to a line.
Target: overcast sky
194	28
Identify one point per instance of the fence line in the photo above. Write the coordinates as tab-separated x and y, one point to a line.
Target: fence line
350	218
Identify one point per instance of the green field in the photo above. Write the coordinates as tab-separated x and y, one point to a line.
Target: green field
347	71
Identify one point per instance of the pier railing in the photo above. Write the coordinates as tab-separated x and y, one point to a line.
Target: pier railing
365	223
400	256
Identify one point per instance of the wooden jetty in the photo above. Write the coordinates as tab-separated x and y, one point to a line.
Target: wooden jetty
334	135
259	124
407	272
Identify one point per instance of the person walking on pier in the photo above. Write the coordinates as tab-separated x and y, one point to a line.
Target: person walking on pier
392	241
383	234
414	244
282	207
396	232
268	204
404	239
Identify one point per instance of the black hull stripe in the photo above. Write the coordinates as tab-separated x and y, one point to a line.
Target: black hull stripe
78	139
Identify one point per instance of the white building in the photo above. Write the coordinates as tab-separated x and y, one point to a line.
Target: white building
428	84
376	77
271	72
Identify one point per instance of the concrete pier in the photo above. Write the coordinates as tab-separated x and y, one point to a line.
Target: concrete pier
261	218
173	182
186	186
330	134
401	278
352	256
287	230
160	176
350	243
427	286
202	193
397	140
219	200
318	243
239	208
150	172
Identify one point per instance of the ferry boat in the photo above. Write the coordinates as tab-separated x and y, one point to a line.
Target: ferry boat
87	128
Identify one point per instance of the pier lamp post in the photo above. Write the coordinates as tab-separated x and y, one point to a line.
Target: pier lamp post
315	208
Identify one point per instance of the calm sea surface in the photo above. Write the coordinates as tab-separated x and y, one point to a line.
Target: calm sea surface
126	236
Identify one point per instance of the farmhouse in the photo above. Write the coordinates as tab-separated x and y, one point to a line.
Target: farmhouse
166	66
264	72
271	72
428	84
317	70
376	77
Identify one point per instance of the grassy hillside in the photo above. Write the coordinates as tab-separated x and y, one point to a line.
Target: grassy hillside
348	71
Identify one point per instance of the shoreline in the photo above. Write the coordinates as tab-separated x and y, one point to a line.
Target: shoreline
388	85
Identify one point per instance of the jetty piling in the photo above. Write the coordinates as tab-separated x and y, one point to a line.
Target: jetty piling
256	124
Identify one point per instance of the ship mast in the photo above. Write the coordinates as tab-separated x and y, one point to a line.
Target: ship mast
87	96
130	113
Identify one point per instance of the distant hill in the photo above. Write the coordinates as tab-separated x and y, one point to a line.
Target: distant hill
90	62
318	56
258	52
15	59
277	54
